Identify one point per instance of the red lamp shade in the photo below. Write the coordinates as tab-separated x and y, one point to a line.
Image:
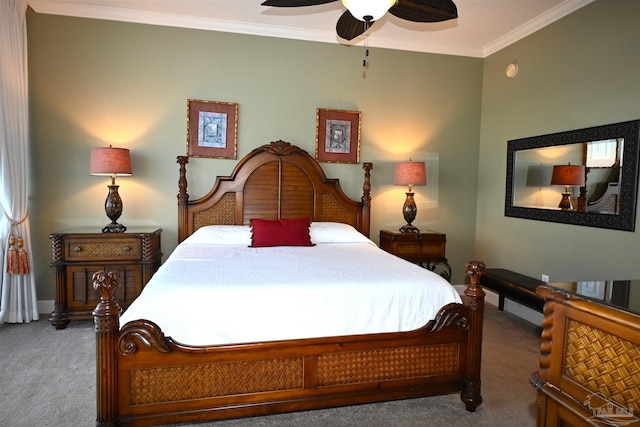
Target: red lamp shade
410	173
568	175
110	161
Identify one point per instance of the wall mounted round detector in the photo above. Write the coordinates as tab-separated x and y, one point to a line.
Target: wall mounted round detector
512	70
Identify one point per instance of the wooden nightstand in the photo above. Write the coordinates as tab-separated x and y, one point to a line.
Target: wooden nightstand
426	249
77	254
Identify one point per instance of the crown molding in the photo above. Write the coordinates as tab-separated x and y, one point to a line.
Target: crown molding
80	10
547	18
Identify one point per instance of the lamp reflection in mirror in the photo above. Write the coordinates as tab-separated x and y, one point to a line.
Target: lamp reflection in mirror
539	176
410	173
368	10
110	161
570	176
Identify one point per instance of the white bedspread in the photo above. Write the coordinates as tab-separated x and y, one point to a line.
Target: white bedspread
221	294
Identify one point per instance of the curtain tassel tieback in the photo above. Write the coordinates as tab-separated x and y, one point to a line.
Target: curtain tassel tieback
12	256
17	260
23	260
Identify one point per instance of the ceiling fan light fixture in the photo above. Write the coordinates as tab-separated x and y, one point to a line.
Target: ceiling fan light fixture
373	8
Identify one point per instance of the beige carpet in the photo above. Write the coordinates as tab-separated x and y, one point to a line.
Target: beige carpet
44	383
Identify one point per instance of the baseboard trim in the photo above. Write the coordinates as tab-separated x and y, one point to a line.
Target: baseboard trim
510	306
524	312
45	306
490	297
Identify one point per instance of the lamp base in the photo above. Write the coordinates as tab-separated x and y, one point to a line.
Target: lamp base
409	228
114	227
409	211
113	209
565	202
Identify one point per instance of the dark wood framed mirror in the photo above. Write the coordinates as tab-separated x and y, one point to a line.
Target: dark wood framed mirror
604	196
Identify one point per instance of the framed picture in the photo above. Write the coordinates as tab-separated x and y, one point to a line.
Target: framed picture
337	136
212	129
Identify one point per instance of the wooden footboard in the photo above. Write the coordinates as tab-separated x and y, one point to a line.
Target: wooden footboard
145	378
589	363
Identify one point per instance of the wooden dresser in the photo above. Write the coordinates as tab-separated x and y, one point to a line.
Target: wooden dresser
590	355
77	254
427	249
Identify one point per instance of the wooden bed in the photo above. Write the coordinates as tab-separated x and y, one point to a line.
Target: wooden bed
144	378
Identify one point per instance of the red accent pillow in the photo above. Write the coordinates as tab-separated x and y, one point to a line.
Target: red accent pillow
280	232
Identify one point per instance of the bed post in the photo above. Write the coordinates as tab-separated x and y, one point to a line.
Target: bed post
106	317
474	301
366	199
183	199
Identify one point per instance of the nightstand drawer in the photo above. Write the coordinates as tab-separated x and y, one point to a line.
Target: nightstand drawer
417	250
425	249
86	249
418	247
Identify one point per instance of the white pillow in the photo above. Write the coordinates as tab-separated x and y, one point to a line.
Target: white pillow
320	232
335	232
220	235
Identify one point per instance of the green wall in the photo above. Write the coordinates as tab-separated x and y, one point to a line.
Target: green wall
579	72
94	83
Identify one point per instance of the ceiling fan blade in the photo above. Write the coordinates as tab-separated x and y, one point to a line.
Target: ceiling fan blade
425	10
349	27
295	3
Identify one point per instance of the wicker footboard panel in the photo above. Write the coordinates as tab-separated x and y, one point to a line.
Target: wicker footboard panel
220	379
589	363
161	381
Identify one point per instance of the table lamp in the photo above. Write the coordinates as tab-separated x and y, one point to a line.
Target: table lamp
410	173
110	161
570	176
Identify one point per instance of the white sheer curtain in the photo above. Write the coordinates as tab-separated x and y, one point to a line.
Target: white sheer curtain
18	302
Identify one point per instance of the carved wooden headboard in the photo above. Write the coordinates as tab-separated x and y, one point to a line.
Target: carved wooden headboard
276	180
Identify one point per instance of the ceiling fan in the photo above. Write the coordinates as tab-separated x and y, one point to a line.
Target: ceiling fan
361	14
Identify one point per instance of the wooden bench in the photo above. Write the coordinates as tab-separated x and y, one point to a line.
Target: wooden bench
512	285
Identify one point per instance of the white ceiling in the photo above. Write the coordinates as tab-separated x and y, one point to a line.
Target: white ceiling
482	28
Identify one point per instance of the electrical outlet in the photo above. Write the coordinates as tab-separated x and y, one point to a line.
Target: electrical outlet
545	278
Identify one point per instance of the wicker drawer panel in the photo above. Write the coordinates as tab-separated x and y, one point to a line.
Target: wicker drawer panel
126	249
